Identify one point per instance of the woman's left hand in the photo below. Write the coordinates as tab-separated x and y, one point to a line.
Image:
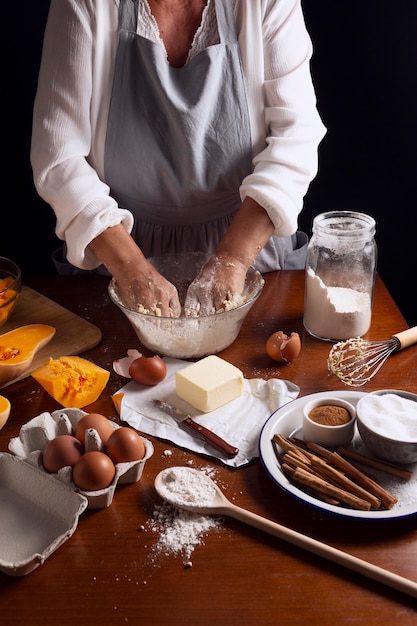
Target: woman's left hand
218	286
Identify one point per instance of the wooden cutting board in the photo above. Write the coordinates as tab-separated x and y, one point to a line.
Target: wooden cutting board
73	333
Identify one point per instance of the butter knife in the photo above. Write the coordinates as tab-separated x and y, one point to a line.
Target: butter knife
186	421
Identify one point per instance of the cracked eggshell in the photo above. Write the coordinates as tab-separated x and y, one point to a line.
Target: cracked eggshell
121	366
36	434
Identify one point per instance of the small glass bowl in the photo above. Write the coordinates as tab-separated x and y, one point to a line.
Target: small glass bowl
10	288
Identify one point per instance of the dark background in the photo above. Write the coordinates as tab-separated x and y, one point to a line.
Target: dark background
364	70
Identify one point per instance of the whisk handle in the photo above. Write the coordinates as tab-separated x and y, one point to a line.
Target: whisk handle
407	337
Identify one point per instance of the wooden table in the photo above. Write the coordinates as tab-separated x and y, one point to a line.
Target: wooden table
107	573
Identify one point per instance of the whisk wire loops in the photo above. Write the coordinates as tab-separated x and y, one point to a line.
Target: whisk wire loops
355	361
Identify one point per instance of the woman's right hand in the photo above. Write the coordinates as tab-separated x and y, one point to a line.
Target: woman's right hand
141	286
145	289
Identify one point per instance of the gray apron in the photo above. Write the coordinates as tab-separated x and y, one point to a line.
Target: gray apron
178	142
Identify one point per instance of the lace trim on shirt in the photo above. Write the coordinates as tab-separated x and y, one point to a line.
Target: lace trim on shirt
207	34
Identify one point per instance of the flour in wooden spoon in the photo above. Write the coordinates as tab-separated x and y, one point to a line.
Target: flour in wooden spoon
180	532
183	486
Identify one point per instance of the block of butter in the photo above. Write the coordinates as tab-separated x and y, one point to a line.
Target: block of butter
209	383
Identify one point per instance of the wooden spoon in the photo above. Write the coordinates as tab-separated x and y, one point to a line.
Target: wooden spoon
171	489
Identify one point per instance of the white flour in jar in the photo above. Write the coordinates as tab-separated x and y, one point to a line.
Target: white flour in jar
335	312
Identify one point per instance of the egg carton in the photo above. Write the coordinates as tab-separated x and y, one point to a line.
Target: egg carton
38	514
38	432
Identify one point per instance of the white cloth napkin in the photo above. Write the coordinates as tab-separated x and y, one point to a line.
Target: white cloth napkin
239	422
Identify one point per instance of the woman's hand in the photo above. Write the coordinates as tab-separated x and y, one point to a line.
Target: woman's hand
140	285
218	286
220	283
144	289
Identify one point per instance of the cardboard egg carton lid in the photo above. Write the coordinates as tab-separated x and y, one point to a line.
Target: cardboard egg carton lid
36	434
38	514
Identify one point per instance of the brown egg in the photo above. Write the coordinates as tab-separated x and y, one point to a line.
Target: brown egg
125	445
94	420
94	471
62	451
282	348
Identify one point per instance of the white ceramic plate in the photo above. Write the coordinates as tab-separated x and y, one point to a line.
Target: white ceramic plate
288	421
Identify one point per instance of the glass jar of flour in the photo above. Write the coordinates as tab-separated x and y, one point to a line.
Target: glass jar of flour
340	275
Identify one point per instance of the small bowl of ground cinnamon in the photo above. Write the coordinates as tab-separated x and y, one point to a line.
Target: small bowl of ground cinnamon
330	422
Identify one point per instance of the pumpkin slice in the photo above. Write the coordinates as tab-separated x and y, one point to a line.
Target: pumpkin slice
4	410
117	402
19	346
72	381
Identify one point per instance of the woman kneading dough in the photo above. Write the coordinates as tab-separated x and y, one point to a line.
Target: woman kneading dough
165	126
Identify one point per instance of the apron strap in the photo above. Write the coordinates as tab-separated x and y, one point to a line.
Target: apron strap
226	23
128	15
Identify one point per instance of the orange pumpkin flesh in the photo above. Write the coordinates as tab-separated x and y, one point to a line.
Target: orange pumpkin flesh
19	346
4	410
117	402
72	381
8	297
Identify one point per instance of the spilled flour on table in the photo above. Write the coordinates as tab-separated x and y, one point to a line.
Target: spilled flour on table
180	532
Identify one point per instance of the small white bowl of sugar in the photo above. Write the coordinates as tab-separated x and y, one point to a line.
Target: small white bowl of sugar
387	423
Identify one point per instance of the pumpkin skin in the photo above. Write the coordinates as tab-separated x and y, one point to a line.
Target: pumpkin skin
72	381
18	348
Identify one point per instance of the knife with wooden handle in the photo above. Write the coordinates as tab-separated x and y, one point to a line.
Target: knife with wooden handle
186	421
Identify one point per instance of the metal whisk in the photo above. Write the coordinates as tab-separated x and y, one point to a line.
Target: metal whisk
356	361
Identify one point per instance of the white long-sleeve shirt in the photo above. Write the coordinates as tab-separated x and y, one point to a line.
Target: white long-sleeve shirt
73	97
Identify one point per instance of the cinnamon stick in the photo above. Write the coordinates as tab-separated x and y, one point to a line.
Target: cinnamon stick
318	467
321	486
331	468
347	484
290	471
383	466
387	499
317	449
287	445
293	461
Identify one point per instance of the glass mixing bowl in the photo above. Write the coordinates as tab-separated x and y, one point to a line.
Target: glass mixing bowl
189	337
